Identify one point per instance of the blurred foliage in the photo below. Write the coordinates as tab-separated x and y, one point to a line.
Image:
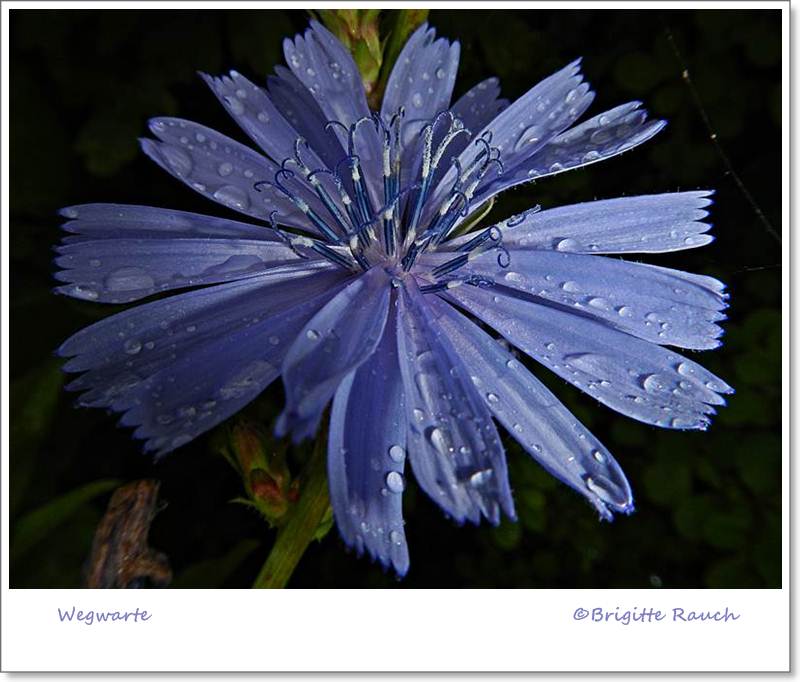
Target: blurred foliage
83	84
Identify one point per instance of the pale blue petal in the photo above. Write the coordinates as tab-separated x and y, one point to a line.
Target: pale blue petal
251	107
527	125
666	307
300	109
422	78
454	448
125	221
178	366
337	340
124	270
479	105
223	170
637	378
653	223
366	457
534	417
597	139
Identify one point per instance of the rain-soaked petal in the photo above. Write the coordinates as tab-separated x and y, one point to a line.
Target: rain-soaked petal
339	338
666	307
178	366
534	417
366	456
634	377
454	448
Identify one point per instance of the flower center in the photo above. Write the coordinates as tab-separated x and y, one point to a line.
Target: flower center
361	222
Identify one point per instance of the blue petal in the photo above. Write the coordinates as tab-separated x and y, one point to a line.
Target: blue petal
423	76
597	139
300	109
455	450
178	366
337	340
525	127
653	223
663	306
221	169
366	457
114	221
124	253
479	105
535	417
637	378
251	107
325	67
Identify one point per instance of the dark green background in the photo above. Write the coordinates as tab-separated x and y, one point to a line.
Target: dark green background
83	85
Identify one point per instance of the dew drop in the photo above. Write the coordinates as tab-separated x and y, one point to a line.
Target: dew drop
233	197
514	277
492	397
416	100
480	477
652	383
395	482
531	135
396	538
225	169
419	415
178	160
129	279
566	244
312	335
597	302
571	287
236	106
440	73
590	156
441	440
274	340
132	346
598	456
397	453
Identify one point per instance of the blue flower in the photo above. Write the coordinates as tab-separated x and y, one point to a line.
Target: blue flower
369	291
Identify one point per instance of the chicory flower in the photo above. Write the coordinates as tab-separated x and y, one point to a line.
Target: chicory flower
367	291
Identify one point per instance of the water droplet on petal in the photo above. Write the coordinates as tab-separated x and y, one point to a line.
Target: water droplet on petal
590	156
416	100
231	196
396	538
480	477
177	159
492	397
571	287
566	244
531	135
236	106
274	340
129	279
225	169
397	453
440	73
133	346
312	334
395	482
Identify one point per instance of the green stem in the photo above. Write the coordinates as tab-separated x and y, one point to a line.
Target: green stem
303	522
